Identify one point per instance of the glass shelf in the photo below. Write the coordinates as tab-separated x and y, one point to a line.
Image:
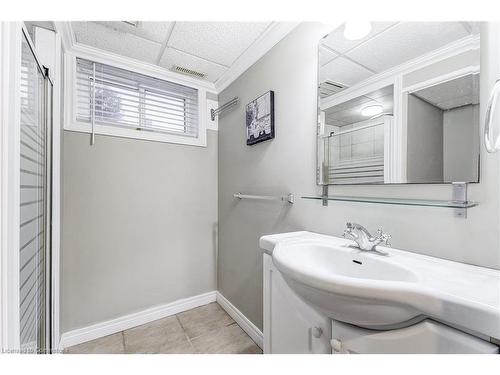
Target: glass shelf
397	201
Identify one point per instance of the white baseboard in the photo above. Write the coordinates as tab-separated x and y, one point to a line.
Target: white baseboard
122	323
109	327
241	319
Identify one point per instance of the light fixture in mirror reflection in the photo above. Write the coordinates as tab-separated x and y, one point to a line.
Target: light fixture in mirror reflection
372	110
399	104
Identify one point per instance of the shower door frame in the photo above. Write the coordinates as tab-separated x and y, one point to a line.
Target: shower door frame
11	37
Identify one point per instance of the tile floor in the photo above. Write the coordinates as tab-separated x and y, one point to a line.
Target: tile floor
207	329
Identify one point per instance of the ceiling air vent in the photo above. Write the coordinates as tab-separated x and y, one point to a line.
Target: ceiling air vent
186	71
328	88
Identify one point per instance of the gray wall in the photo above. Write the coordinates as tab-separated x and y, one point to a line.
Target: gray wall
460	140
425	142
288	164
139	222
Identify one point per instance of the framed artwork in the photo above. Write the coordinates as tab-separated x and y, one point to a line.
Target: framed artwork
260	119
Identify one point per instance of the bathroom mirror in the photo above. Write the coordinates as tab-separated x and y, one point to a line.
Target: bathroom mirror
398	102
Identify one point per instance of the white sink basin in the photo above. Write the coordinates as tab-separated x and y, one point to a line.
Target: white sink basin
348	285
383	292
342	261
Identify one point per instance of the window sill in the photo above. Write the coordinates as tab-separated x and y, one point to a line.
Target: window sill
200	141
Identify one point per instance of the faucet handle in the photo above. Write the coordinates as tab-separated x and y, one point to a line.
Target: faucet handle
348	234
383	237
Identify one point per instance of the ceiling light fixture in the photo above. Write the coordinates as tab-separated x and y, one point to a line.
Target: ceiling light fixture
354	30
372	110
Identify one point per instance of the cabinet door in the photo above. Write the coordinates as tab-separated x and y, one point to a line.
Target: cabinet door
426	337
290	325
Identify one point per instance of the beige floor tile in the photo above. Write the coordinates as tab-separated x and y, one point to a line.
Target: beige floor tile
206	329
228	340
179	347
204	319
161	336
112	344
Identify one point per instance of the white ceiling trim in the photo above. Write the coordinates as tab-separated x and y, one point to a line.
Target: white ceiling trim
267	40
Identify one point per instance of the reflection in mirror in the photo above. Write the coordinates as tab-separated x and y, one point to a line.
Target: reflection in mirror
356	137
442	124
399	104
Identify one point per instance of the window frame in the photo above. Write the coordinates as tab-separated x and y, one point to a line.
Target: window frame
72	124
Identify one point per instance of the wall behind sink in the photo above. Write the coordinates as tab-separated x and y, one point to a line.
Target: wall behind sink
288	164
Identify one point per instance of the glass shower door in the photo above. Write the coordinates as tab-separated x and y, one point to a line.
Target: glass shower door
34	252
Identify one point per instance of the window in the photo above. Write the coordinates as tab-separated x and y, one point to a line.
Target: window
115	97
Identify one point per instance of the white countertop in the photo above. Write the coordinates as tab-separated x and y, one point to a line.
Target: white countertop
470	295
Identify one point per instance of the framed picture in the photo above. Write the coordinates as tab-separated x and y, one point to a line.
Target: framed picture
260	119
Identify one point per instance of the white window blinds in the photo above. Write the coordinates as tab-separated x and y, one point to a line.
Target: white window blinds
121	98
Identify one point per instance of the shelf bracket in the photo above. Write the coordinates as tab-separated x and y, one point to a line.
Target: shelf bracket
460	195
324	195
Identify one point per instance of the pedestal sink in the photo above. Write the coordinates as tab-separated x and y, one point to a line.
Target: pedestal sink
377	291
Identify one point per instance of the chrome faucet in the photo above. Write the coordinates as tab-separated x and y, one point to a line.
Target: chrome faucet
364	239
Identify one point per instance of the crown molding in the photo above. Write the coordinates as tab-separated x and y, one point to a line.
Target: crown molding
267	40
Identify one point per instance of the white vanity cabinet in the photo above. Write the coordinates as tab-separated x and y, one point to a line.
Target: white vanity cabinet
426	337
460	302
290	325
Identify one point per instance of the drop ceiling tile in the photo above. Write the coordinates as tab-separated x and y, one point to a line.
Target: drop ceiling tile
404	42
455	102
155	31
353	114
350	116
457	92
350	111
344	71
174	57
339	43
333	121
356	102
382	92
326	55
220	42
107	39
